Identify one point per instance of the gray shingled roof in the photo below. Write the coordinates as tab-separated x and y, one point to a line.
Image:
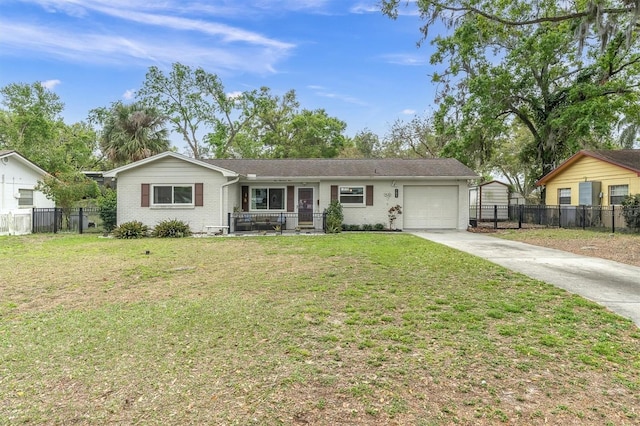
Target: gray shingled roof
429	167
629	158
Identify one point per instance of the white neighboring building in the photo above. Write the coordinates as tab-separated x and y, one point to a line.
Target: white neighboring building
18	179
484	197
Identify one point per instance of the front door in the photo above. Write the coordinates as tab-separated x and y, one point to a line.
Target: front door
305	206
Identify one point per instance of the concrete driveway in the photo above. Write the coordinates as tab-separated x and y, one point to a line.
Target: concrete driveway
611	284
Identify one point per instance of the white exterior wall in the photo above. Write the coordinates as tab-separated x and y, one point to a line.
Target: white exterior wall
384	198
171	171
495	194
360	215
463	204
15	175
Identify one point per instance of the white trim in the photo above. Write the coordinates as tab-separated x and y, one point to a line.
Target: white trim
268	188
364	195
173	204
24	161
114	172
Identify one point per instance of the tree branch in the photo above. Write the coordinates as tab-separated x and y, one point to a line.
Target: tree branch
559	18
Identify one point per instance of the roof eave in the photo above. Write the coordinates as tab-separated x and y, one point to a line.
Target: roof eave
113	173
583	153
321	178
26	162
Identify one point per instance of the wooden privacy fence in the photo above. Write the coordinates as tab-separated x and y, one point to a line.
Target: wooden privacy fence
606	218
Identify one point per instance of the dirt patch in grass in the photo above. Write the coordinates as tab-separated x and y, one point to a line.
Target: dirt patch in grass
619	247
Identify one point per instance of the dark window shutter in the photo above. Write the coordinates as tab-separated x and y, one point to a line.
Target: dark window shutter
291	198
245	198
334	192
144	199
369	195
199	194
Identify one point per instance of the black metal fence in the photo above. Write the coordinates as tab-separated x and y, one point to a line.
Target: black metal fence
76	220
606	218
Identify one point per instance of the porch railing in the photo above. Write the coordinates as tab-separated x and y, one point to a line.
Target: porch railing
279	222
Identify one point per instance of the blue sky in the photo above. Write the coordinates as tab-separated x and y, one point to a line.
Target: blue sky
340	55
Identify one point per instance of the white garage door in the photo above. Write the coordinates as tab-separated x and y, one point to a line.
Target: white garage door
431	207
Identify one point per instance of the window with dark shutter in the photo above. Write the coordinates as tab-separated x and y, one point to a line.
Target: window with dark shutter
144	192
245	198
291	201
369	195
334	192
199	194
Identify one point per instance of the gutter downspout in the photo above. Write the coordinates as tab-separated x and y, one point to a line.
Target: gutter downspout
222	187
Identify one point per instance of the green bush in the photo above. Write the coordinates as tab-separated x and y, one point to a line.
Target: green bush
130	230
173	228
367	227
108	209
378	227
334	217
631	211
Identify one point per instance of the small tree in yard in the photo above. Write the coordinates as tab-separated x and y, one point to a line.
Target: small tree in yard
67	189
334	217
631	211
108	209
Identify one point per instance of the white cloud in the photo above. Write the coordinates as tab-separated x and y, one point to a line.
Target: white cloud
234	95
200	41
129	94
50	84
226	32
321	91
406	59
121	50
408	111
368	7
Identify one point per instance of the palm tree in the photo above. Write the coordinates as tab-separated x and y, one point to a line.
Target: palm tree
133	132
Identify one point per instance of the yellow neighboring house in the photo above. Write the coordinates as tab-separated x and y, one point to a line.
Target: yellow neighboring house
594	178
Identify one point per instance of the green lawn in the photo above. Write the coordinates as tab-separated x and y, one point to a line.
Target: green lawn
351	328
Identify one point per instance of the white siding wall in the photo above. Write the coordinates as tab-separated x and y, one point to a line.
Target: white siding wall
15	175
495	194
359	215
172	172
384	198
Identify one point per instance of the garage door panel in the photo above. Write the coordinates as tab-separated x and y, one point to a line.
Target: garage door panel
431	207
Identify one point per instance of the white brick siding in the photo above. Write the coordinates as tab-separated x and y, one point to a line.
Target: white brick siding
170	171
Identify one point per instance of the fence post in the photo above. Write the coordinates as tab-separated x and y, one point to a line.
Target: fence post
613	219
55	220
495	216
520	214
80	220
282	224
559	216
229	222
584	217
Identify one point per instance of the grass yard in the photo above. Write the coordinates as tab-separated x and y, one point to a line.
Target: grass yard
619	247
366	329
